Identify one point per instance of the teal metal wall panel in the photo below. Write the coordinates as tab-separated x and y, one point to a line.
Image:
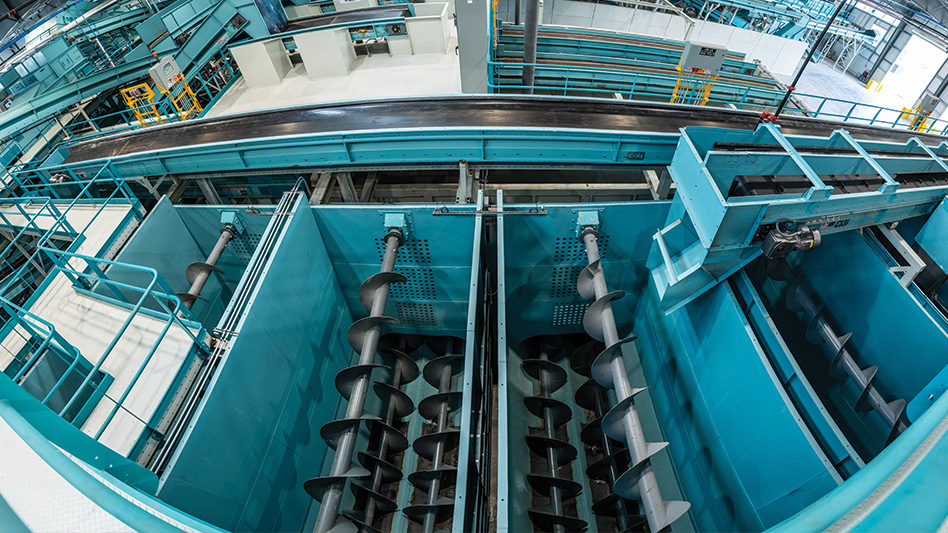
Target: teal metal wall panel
545	256
172	237
436	259
911	470
862	297
933	237
725	419
243	464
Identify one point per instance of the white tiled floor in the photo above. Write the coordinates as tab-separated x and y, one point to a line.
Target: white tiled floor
378	76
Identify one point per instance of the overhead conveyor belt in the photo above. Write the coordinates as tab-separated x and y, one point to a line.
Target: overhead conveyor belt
355	16
477	128
476	112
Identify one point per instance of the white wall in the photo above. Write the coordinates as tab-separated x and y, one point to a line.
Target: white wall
779	55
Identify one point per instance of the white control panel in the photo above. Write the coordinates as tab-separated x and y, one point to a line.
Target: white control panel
166	73
702	58
927	103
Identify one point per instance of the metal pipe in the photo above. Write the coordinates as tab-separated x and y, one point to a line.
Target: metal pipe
650	494
228	232
847	362
530	28
329	509
371	506
444	385
809	55
622	512
556	496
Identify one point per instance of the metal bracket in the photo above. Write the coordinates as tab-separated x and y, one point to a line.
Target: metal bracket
586	219
401	221
235	220
443	210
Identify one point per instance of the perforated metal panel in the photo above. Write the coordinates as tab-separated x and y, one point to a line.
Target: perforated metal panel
569	314
416	314
420	285
563	284
570	249
411	251
244	244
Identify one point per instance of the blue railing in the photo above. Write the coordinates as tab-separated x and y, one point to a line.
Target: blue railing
124	120
156	291
37	182
38	330
647	87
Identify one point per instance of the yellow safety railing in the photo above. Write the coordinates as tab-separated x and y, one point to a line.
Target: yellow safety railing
693	86
141	100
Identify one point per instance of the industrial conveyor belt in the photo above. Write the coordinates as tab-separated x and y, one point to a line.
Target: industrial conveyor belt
465	111
355	16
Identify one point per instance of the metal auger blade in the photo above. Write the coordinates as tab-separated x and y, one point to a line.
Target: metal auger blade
396	441
360	520
613	422
563	452
341	435
402	364
196	268
333	430
443	509
561	412
542	483
546	520
439	345
587	393
556	373
673	510
371	285
347	377
360	328
592	318
843	364
609	505
426	445
837	368
601	468
627	484
423	479
188	299
592	433
389	472
812	327
430	407
586	284
601	369
383	504
435	367
317	486
393	396
582	358
898	409
862	404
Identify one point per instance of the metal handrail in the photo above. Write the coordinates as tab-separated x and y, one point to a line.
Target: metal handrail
570	72
167	112
23	318
156	289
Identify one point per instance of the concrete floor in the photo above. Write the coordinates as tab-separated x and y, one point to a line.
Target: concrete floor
851	96
377	76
